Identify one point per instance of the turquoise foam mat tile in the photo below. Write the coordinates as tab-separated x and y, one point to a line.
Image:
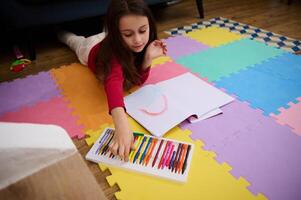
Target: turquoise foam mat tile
215	63
268	85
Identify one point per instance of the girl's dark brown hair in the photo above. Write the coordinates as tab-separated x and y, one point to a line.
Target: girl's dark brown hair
114	46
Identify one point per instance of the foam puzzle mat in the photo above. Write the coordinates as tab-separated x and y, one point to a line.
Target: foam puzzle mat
251	151
268	37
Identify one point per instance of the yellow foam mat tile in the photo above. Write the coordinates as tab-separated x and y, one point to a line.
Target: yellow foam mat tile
214	36
161	60
94	134
85	94
207	178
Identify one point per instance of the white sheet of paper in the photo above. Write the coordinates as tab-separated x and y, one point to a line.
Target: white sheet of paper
193	119
186	95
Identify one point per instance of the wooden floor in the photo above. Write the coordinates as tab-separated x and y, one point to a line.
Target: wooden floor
272	15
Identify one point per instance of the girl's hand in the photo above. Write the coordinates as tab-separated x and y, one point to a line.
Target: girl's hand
156	49
123	138
122	143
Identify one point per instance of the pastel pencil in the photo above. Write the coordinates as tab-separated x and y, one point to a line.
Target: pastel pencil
172	159
179	157
148	151
132	155
166	154
138	152
132	151
105	143
163	155
151	151
180	165
186	158
145	150
111	155
174	164
170	154
138	134
102	140
156	156
104	150
142	149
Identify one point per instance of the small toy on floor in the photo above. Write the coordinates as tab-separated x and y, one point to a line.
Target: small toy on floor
21	62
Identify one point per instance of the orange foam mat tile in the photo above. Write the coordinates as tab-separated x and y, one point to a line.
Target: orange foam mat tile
85	94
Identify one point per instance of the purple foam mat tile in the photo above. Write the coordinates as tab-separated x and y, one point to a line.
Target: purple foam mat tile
214	132
26	91
268	156
180	46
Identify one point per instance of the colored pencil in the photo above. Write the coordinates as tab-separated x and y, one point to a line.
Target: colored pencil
186	158
176	158
148	151
105	143
142	149
165	157
105	149
138	134
104	137
132	155
162	156
172	159
145	150
151	151
132	150
156	156
138	152
169	157
180	165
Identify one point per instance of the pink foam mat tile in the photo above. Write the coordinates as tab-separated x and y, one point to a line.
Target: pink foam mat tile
54	111
27	91
290	116
165	71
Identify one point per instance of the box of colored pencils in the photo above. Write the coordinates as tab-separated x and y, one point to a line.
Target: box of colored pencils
161	157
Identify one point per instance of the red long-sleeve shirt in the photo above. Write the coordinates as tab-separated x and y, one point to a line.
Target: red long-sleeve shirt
113	83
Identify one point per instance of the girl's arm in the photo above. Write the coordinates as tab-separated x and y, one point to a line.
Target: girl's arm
123	137
154	50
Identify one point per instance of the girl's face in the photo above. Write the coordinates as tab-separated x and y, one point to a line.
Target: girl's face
134	30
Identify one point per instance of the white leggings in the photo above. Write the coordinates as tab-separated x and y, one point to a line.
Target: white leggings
80	44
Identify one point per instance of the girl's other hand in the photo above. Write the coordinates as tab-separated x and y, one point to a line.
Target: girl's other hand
156	49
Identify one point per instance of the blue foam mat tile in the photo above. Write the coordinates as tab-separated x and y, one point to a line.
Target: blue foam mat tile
268	85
